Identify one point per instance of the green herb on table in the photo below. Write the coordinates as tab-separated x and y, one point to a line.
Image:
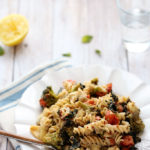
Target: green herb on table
87	39
2	52
66	54
98	52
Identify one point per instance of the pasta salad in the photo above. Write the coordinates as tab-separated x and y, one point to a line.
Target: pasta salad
88	116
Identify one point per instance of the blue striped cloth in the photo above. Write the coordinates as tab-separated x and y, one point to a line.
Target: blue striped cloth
10	96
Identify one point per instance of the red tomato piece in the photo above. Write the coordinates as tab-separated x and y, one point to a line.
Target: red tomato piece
112	141
120	108
111	118
42	102
109	87
88	96
97	117
92	102
71	81
100	94
127	141
125	148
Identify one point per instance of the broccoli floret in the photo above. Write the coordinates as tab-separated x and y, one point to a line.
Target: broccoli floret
137	126
136	123
49	96
54	139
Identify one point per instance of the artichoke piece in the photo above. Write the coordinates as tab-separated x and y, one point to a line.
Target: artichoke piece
94	81
75	87
82	105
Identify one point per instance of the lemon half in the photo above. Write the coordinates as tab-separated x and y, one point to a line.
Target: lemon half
13	29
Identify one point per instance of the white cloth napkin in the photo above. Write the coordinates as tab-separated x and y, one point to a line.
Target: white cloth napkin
10	96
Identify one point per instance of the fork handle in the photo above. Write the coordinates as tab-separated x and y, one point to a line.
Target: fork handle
24	139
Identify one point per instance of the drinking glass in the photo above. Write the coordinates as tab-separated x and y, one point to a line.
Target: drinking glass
135	24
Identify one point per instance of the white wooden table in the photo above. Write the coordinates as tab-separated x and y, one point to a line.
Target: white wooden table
56	27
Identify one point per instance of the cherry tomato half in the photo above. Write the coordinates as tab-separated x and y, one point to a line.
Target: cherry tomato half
111	118
42	102
109	87
127	141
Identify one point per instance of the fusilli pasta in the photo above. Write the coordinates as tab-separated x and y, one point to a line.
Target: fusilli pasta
87	117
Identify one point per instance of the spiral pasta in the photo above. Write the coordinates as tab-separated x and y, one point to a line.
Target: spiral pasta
61	102
89	128
87	117
114	148
121	115
124	128
100	126
82	120
94	140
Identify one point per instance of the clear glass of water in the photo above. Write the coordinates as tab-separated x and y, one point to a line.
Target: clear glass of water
135	24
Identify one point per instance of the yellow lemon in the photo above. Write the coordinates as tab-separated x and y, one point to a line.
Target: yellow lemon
13	29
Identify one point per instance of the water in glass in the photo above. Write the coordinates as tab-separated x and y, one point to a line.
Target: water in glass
136	30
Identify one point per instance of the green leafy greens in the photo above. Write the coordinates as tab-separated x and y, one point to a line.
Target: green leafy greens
98	52
2	52
66	54
87	39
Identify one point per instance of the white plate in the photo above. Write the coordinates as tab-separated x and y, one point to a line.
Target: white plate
124	83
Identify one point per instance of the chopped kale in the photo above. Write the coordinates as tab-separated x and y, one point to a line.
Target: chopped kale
71	114
59	112
82	86
98	113
64	135
127	119
133	148
75	142
125	108
115	98
128	100
53	123
112	106
137	139
124	105
69	123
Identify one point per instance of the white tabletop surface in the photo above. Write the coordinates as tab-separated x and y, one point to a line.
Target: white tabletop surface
56	27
